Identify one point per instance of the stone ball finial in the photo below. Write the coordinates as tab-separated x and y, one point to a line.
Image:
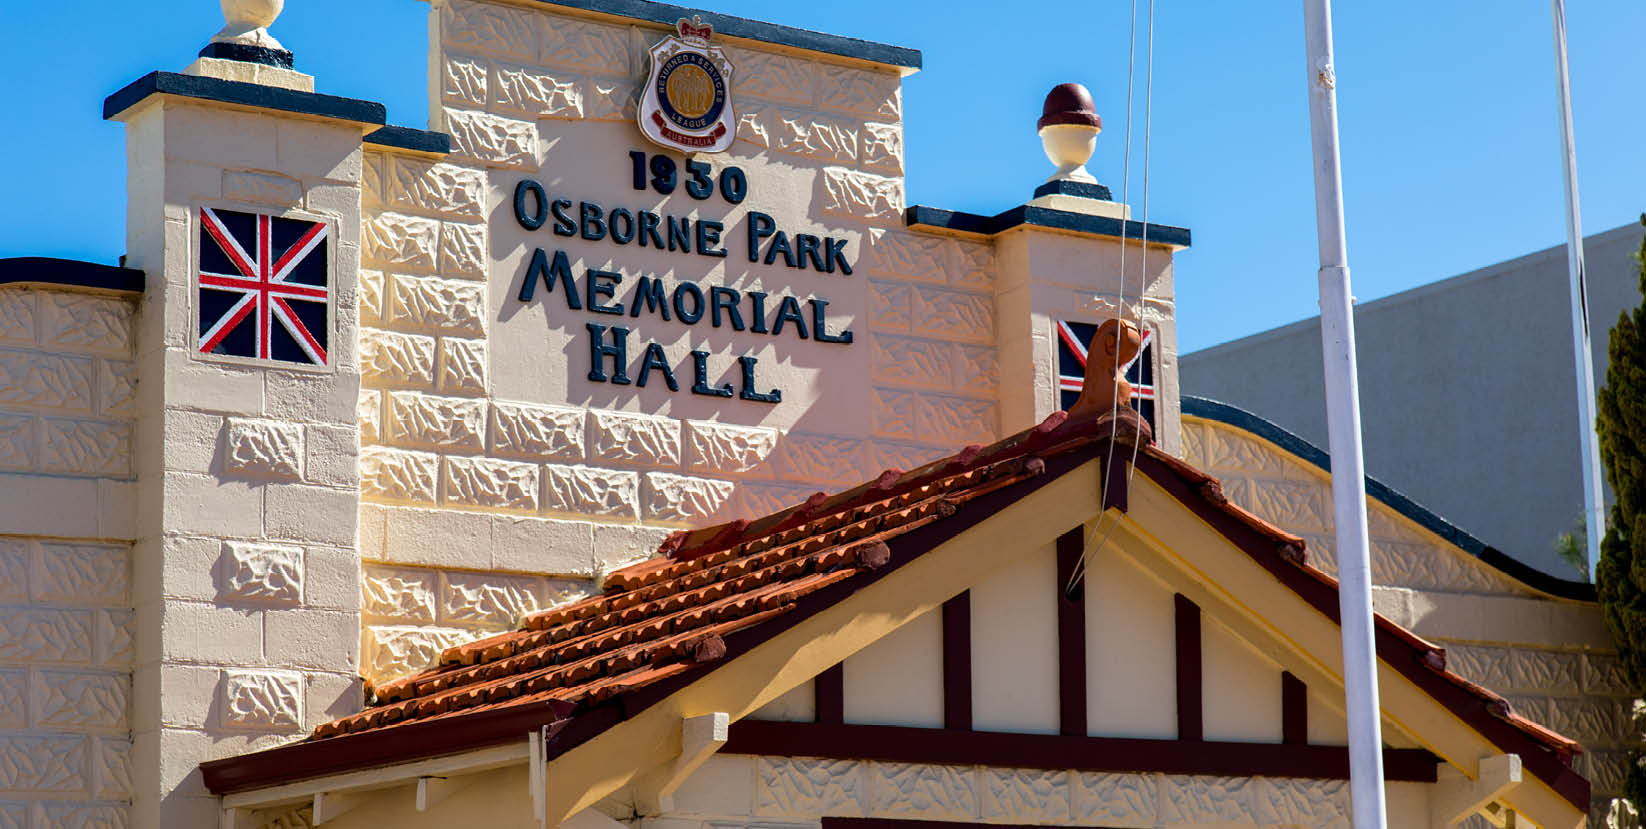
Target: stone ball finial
247	22
1068	126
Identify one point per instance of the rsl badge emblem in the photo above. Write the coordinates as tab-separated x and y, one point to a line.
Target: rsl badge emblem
687	102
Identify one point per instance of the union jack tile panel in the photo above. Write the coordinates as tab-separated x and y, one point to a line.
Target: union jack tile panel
263	291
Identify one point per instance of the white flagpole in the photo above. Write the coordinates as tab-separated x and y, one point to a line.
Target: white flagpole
1594	522
1337	342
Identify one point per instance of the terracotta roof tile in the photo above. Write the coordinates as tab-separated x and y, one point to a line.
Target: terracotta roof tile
661	618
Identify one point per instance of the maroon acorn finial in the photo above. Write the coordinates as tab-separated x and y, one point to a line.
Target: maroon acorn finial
1069	103
1068	128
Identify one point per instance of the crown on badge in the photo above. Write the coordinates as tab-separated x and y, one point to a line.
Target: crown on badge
694	31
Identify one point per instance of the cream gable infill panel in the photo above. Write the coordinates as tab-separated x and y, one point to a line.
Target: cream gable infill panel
1131	647
1242	688
1014	644
899	679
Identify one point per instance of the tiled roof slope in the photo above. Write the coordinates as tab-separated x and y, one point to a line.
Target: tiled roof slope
715	592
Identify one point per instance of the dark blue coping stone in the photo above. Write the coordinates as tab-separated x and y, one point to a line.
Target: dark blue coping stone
1083	189
922	216
1524	573
408	138
248	54
244	94
46	270
667	14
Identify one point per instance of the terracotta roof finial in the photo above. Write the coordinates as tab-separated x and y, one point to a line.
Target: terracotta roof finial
1113	347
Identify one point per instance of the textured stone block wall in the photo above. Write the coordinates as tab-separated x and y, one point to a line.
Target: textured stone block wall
67	639
796	792
484	507
1552	658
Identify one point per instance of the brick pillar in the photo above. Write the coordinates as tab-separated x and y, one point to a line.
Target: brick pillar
246	575
1062	262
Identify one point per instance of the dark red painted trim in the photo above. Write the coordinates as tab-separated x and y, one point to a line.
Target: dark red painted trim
957	662
452	735
1071	635
1190	686
941	746
829	695
1294	710
1537	757
1116	478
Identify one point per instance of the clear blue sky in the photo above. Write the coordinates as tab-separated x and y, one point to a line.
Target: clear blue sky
1447	108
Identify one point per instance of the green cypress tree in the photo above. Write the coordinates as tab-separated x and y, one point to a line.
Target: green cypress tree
1621	573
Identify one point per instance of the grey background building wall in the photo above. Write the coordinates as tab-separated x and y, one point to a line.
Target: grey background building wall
1467	389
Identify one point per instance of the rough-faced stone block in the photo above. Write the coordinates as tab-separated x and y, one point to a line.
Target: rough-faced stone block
911	362
609	99
392	360
861	196
774	77
436	305
890	306
250	571
625	438
43	764
111	769
488	600
529	91
17	315
596	47
395	476
369	414
97	448
672	497
491	483
81	701
45	381
463	250
371	296
492	140
962	419
1024	794
463	81
489	28
874	94
462	366
14	570
399	594
114	635
806	786
1204	799
907	255
588	490
883	147
954	315
263	449
19	442
14	699
436	188
77	322
44	635
81	573
895	413
395	240
805	133
393	651
821	460
521	430
427	421
261	700
724	449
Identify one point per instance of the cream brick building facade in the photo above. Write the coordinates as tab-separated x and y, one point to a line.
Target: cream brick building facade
202	557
